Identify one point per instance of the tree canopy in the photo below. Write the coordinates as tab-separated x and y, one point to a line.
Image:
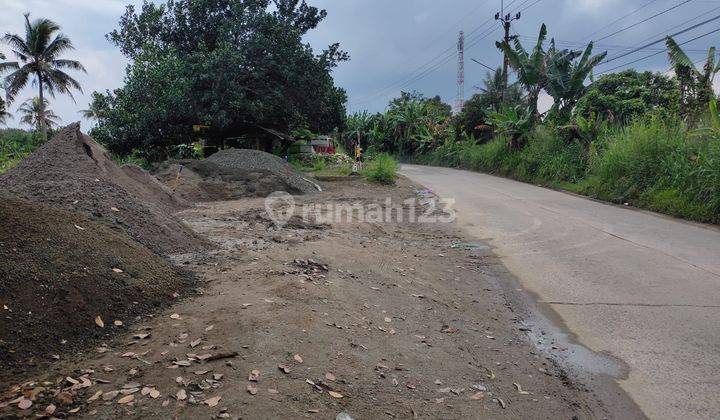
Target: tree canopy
39	54
622	96
227	64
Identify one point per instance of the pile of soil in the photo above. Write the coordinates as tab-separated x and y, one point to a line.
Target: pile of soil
255	160
203	181
75	173
59	272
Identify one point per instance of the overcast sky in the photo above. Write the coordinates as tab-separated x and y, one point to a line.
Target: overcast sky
400	44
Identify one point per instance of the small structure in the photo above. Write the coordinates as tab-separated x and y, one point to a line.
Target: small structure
323	145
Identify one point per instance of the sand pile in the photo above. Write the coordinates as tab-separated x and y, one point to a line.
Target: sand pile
202	180
59	271
257	161
75	173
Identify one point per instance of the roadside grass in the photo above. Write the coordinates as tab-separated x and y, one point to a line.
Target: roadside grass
382	169
652	163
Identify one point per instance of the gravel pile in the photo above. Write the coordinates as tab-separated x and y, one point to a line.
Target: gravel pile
73	172
255	160
59	271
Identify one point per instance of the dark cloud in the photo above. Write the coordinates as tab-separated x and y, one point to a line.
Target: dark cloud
390	41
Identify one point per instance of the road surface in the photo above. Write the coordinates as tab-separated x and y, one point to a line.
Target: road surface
640	286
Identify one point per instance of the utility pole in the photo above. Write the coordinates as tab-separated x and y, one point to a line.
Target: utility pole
506	20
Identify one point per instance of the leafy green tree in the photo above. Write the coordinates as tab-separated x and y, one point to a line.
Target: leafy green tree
35	112
472	119
696	84
566	76
38	54
515	122
233	65
620	97
529	67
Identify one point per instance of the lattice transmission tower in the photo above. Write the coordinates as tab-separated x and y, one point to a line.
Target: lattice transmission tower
460	99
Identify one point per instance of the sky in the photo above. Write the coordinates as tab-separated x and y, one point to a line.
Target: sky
401	45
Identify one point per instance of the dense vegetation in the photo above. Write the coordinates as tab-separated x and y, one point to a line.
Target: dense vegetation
637	138
230	66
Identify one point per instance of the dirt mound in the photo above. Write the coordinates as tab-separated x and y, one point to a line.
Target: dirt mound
203	181
59	271
255	160
75	173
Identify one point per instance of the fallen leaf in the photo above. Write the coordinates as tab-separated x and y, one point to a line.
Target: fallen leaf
74	410
50	409
126	399
128	354
115	209
79	227
298	358
95	396
117	270
502	403
335	394
209	327
118	323
99	322
330	377
141	336
195	343
175	316
284	368
110	395
217	376
313	410
388	319
145	391
181	395
520	390
410	385
154	394
252	389
24	404
212	402
182	363
254	375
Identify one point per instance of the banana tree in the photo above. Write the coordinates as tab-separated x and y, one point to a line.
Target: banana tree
713	129
696	84
529	66
515	122
566	76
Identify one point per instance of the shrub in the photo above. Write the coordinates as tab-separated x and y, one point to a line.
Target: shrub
382	169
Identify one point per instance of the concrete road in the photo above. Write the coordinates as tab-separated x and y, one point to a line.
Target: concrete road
643	287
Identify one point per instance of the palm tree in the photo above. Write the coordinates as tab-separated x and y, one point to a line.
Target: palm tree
530	67
4	67
38	55
566	77
35	112
696	85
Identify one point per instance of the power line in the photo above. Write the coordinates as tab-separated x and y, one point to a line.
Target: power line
657	53
444	57
634	50
620	19
644	20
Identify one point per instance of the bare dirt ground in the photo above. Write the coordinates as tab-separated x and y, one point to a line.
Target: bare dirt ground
376	320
